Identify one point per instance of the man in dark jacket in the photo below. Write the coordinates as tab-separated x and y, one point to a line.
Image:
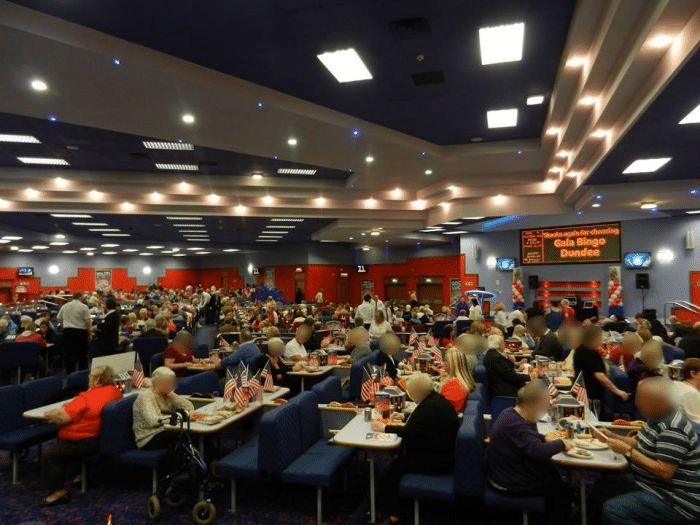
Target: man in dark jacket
503	376
547	342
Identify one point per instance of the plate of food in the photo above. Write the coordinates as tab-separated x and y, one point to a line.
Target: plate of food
562	382
337	404
579	453
590	444
625	423
557	434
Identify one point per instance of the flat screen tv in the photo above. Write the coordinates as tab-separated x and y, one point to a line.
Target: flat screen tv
505	264
638	260
25	271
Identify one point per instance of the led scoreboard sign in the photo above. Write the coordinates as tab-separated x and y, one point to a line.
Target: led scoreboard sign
587	243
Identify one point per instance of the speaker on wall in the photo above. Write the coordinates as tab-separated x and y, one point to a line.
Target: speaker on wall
642	281
533	282
689	240
475	251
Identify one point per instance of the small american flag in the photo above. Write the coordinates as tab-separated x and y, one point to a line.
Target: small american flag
266	376
229	386
243	375
137	376
437	356
240	396
386	379
412	338
254	384
578	390
369	386
553	392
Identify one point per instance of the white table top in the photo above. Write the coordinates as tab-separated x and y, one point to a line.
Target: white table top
601	459
354	434
321	371
38	413
208	409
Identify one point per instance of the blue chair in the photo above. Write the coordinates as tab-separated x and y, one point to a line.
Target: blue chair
671	353
20	355
481	377
202	383
78	381
117	441
496	500
41	392
201	351
15	432
328	390
356	372
147	347
461	327
499	404
157	360
479	392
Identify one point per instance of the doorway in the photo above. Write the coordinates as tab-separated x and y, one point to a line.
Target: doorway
341	291
5	291
695	287
300	284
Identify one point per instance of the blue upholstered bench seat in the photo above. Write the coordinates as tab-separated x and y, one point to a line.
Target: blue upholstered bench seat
317	466
242	462
143	458
25	436
496	500
426	486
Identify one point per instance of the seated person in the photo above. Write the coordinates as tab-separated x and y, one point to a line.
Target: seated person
518	457
150	329
178	356
471	344
46	331
379	326
547	342
457	381
686	393
389	346
428	439
588	361
520	333
30	335
624	352
275	351
663	485
295	350
80	421
504	377
646	365
691	342
152	405
462	316
358	340
247	351
446	339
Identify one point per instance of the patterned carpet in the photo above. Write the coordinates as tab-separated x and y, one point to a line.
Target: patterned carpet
122	492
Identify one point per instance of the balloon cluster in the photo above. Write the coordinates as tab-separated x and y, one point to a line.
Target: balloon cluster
615	293
517	293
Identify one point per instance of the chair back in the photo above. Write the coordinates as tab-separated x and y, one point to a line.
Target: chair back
12	403
157	360
673	353
201	383
41	392
356	373
280	438
328	390
78	381
469	457
309	418
117	434
499	404
201	351
147	347
19	354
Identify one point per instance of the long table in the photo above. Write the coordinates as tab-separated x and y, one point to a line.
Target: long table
354	434
322	371
38	413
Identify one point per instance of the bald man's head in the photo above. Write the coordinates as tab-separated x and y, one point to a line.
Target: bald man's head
358	336
303	333
390	344
652	354
419	387
654	397
471	344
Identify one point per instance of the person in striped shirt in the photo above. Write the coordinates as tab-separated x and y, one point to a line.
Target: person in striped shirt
664	457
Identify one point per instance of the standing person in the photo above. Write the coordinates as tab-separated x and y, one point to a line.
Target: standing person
568	313
518	455
80	421
75	317
319	297
365	311
475	311
107	333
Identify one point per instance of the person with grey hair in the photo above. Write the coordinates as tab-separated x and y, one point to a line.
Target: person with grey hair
651	356
358	340
518	456
663	485
295	349
273	355
547	342
428	439
151	407
504	376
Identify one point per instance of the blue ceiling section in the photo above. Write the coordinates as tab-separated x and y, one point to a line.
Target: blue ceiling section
658	134
223	231
96	149
274	43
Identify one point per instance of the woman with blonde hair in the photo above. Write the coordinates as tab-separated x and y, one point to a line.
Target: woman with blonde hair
458	380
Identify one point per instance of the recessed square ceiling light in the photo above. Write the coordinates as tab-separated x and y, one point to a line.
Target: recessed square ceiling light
649	206
501	43
502	118
109	253
194	249
43	161
189	225
58	243
232	250
535	100
472	218
181	146
646	165
71	216
295	171
69	251
116	235
693	117
111	245
345	65
90	224
21	139
265	240
129	250
455	232
177	167
103	229
154	247
192	231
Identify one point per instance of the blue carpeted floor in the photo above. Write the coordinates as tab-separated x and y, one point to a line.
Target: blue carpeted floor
122	492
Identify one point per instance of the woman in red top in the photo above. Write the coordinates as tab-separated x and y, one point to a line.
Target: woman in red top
30	335
178	356
80	421
457	379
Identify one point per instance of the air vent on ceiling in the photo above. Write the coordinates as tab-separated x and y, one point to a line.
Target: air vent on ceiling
416	27
208	163
428	77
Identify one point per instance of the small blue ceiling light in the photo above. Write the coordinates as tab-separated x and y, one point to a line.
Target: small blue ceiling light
520	153
275	157
117	62
181	140
259	104
424	154
579	214
356	133
599	197
52	118
694	191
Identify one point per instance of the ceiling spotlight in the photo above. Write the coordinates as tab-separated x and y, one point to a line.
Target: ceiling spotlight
549	185
499	199
453	189
418	204
599	197
60	182
95	195
694	191
375	233
321	201
428	172
563	154
52	118
365	248
188	118
595	205
117	62
649	206
444	205
38	85
184	186
396	193
213	198
576	62
660	41
31	193
369	159
156	197
267	200
257	176
355	133
601	134
259	104
573	174
579	214
292	141
127	206
371	202
553	131
146	269
588	100
240	209
556	169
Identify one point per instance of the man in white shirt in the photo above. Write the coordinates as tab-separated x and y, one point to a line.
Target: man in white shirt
295	350
686	393
76	321
365	311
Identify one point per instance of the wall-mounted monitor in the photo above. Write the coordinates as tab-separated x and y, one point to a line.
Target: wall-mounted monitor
585	243
25	271
638	260
505	264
